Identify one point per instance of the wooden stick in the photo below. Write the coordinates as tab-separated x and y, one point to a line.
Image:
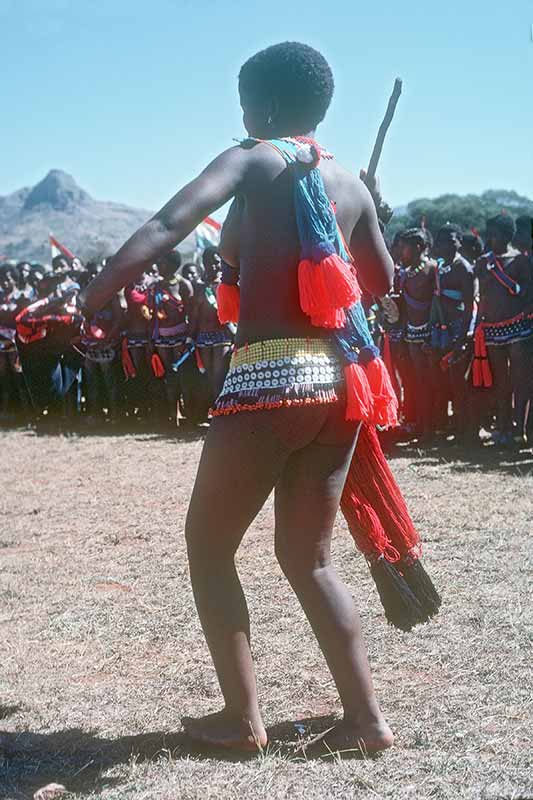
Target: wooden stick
383	128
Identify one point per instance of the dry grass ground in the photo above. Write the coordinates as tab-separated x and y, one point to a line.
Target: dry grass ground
101	652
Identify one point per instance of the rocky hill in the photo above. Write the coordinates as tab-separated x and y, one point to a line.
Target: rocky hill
90	228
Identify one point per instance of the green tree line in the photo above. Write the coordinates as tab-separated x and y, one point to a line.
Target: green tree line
468	211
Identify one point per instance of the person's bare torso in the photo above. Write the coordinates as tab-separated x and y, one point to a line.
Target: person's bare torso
261	238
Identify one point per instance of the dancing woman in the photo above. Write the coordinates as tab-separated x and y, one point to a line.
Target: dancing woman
289	413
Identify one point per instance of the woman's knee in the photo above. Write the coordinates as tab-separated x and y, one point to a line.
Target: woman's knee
298	562
193	535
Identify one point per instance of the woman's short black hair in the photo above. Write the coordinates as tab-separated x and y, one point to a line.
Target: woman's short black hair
504	224
448	229
524	224
297	76
418	235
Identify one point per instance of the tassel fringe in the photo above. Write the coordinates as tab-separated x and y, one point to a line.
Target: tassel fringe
481	372
383	531
158	367
401	607
422	587
370	396
359	400
199	362
127	362
326	289
385	399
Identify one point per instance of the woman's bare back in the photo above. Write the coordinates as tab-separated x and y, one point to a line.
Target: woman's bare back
261	239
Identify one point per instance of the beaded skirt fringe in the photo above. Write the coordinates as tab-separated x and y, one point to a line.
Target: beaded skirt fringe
281	372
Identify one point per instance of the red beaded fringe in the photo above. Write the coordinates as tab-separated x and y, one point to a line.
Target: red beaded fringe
267	402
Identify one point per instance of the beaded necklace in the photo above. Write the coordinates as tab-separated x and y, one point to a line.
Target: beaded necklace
307	140
410	272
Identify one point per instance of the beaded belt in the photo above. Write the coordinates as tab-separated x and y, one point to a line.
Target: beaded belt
214	338
136	340
417	334
509	331
281	372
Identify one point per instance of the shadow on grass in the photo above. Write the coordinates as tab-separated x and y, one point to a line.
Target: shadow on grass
465	458
480	456
77	429
8	711
78	759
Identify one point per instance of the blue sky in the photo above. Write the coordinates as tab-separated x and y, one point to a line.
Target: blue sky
134	98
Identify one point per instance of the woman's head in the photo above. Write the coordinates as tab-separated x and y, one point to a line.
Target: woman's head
285	90
499	232
9	278
413	242
24	268
448	241
190	272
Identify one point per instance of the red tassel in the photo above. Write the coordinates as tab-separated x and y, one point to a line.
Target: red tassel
389	363
481	372
365	526
228	303
486	373
127	363
374	506
359	403
199	362
385	400
477	374
158	367
326	289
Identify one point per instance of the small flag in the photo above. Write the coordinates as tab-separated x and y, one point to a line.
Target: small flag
208	233
59	249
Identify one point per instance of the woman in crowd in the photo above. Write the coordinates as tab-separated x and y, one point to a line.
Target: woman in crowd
504	329
415	284
172	300
213	340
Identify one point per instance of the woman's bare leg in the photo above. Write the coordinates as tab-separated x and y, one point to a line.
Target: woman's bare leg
242	459
499	363
206	354
307	500
521	381
221	362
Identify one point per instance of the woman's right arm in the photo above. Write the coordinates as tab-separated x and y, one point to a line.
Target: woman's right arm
372	259
211	189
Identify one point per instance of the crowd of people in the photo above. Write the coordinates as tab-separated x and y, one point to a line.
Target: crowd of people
155	354
456	333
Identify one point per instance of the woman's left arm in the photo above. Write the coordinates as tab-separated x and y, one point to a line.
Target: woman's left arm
219	182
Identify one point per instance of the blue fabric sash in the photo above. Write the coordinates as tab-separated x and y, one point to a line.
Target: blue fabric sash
319	236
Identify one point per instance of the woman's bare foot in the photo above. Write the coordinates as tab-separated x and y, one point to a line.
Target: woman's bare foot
349	736
225	729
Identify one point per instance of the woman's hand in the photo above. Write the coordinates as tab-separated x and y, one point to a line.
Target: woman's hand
372	183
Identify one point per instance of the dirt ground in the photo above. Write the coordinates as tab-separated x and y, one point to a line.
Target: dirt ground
101	652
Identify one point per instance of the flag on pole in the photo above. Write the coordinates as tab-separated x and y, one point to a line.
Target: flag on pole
208	233
59	249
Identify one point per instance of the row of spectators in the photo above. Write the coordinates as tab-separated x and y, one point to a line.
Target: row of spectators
155	353
456	332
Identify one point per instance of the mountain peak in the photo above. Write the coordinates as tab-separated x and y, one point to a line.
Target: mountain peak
58	190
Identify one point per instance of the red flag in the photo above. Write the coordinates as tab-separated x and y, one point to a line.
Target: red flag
59	249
